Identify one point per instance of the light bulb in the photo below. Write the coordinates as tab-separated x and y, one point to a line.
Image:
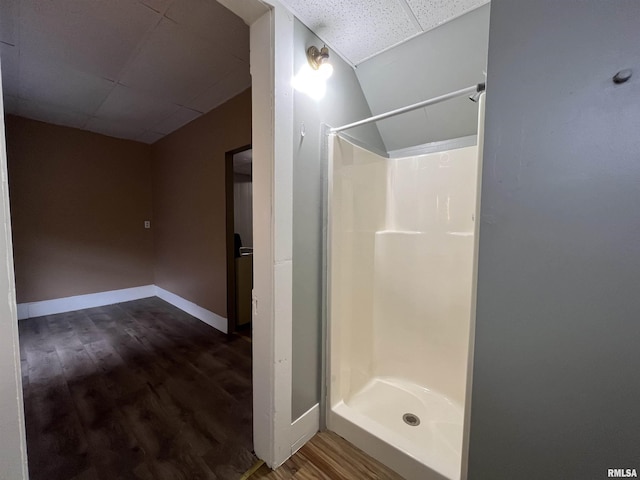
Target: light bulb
325	70
310	82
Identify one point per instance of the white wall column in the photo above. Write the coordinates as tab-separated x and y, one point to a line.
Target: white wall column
272	99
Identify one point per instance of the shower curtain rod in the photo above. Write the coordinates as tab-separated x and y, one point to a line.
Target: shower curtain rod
432	101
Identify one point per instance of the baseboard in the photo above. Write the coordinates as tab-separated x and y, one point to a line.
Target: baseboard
207	316
100	299
79	302
304	428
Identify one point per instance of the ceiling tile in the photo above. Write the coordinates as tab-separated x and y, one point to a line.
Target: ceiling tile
237	81
9	58
157	5
114	128
214	22
58	84
149	137
51	114
176	120
9	13
178	65
431	13
74	57
133	108
95	36
358	29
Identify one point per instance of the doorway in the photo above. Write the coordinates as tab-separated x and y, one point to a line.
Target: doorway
271	444
239	225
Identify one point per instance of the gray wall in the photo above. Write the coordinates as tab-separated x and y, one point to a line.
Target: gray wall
343	103
556	389
444	59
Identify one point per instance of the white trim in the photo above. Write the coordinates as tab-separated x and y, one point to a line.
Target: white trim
304	428
23	310
91	300
207	316
281	202
79	302
272	113
262	296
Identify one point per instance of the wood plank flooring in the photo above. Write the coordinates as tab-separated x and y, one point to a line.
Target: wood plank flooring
141	390
138	390
328	457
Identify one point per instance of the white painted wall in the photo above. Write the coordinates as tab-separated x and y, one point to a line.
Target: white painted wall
13	448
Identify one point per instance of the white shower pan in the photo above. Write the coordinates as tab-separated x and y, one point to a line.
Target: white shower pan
400	267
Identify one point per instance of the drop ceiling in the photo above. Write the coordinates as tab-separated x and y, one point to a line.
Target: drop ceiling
360	29
135	69
140	69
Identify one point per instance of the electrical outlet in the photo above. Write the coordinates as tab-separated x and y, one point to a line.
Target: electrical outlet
147	224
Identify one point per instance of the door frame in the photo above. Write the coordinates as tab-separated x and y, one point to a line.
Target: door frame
232	314
271	30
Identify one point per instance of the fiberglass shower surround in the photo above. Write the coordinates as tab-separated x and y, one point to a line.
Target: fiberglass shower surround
402	236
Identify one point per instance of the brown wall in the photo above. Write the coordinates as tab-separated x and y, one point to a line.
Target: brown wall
189	203
78	205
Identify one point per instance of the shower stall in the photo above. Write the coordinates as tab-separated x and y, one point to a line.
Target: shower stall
401	242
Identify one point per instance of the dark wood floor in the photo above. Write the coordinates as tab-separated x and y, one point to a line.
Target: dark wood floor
138	390
328	457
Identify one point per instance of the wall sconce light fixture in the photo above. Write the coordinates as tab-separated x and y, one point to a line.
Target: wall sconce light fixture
319	60
312	77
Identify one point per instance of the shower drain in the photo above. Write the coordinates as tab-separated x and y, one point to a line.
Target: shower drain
411	419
